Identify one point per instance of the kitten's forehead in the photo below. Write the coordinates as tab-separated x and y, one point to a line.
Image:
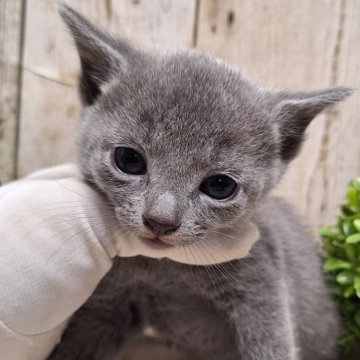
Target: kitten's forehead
187	104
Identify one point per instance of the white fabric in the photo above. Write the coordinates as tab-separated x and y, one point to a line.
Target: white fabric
14	346
57	238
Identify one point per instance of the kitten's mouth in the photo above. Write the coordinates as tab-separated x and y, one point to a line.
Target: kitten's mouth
155	243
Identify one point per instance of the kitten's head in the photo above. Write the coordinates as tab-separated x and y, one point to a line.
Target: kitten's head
182	144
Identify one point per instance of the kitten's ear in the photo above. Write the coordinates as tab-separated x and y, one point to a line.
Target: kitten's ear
101	56
294	112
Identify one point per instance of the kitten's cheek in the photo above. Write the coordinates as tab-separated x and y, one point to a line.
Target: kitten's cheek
225	214
218	221
125	219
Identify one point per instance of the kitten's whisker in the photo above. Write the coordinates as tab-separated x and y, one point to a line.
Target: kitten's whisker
200	271
78	231
223	234
79	201
78	194
73	220
89	211
186	256
82	206
219	266
242	260
214	242
239	260
208	267
230	263
54	218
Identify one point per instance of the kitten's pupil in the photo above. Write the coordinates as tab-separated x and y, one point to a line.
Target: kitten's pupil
218	187
130	161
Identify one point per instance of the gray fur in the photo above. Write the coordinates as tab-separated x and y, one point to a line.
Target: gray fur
191	116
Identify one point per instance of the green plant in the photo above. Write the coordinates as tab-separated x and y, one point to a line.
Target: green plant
341	243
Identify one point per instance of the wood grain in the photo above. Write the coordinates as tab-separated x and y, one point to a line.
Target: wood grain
299	45
158	24
280	43
10	39
49	106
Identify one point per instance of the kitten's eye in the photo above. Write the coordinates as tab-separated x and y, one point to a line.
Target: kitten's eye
218	187
130	161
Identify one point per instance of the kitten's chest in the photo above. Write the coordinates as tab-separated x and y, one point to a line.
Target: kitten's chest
165	276
153	275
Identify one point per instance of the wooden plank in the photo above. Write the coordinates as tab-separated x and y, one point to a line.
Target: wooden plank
160	24
299	45
339	158
50	106
10	38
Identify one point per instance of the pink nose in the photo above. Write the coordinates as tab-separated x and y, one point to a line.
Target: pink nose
160	226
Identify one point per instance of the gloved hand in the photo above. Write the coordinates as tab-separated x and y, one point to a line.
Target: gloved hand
57	240
56	243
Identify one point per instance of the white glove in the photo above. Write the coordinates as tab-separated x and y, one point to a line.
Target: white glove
54	250
57	239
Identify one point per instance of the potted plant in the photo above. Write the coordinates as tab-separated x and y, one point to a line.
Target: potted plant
341	244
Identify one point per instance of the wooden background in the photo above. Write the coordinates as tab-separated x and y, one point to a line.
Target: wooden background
281	43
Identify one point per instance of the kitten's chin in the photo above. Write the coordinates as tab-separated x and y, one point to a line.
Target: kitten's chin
155	242
215	248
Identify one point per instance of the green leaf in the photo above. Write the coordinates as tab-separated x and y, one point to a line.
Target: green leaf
335	264
348	292
357	293
352	196
327	233
357	285
346	228
357	282
356	224
345	277
353	239
348	210
356	183
351	253
341	244
328	246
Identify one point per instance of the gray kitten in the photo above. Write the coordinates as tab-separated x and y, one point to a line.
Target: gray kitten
183	146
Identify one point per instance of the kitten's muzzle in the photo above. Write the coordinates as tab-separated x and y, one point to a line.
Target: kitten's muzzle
160	226
155	243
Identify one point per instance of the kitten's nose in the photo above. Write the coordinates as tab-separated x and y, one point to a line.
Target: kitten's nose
160	226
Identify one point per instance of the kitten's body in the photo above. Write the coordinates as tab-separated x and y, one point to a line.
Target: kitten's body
273	299
192	117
